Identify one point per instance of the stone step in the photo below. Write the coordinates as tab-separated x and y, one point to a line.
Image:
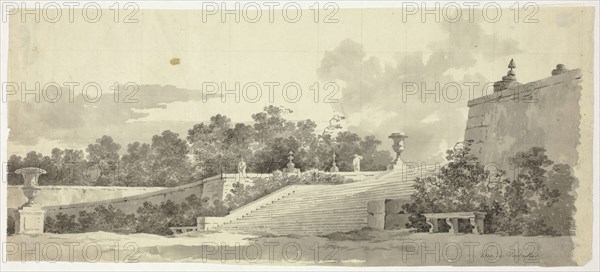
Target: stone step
337	195
274	214
311	227
317	205
319	209
278	220
347	198
295	225
313	230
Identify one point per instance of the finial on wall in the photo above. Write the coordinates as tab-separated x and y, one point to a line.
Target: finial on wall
560	68
509	79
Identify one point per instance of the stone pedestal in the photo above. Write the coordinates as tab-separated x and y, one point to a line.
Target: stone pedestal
433	225
200	223
398	146
453	223
30	217
30	220
291	167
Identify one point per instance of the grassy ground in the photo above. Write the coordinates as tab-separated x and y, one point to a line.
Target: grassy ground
357	248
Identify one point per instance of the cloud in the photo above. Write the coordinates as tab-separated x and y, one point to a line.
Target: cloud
370	84
81	121
433	118
466	41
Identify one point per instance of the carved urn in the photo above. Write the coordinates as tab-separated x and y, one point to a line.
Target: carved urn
30	186
398	146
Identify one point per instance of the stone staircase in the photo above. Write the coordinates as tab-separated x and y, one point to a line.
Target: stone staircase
319	209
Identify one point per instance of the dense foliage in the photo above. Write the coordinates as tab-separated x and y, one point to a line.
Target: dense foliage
208	149
157	218
537	200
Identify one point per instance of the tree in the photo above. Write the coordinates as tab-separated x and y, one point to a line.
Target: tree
14	163
136	165
270	124
211	148
373	159
348	144
208	143
534	202
70	167
170	164
538	201
104	154
35	159
240	143
460	186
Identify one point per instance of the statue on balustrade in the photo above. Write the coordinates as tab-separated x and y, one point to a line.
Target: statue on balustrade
356	162
242	168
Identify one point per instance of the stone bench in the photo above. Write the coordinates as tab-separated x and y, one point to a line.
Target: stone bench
475	218
176	230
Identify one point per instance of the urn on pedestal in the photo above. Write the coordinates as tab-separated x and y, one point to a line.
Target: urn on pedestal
291	167
398	147
30	217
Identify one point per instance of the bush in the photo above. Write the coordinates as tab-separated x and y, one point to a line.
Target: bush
151	218
10	225
242	195
537	201
106	219
461	185
157	219
534	202
62	224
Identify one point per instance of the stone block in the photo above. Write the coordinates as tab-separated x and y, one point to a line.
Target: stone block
376	221
395	221
376	206
200	223
394	206
30	220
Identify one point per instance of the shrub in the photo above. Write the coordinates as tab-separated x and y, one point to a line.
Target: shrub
151	218
537	201
62	224
461	185
157	219
534	202
10	224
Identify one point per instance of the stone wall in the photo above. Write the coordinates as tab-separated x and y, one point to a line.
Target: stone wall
66	195
130	204
73	199
543	113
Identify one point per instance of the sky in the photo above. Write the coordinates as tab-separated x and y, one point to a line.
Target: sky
363	65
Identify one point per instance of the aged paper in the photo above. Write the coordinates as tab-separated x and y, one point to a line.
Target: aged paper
293	134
